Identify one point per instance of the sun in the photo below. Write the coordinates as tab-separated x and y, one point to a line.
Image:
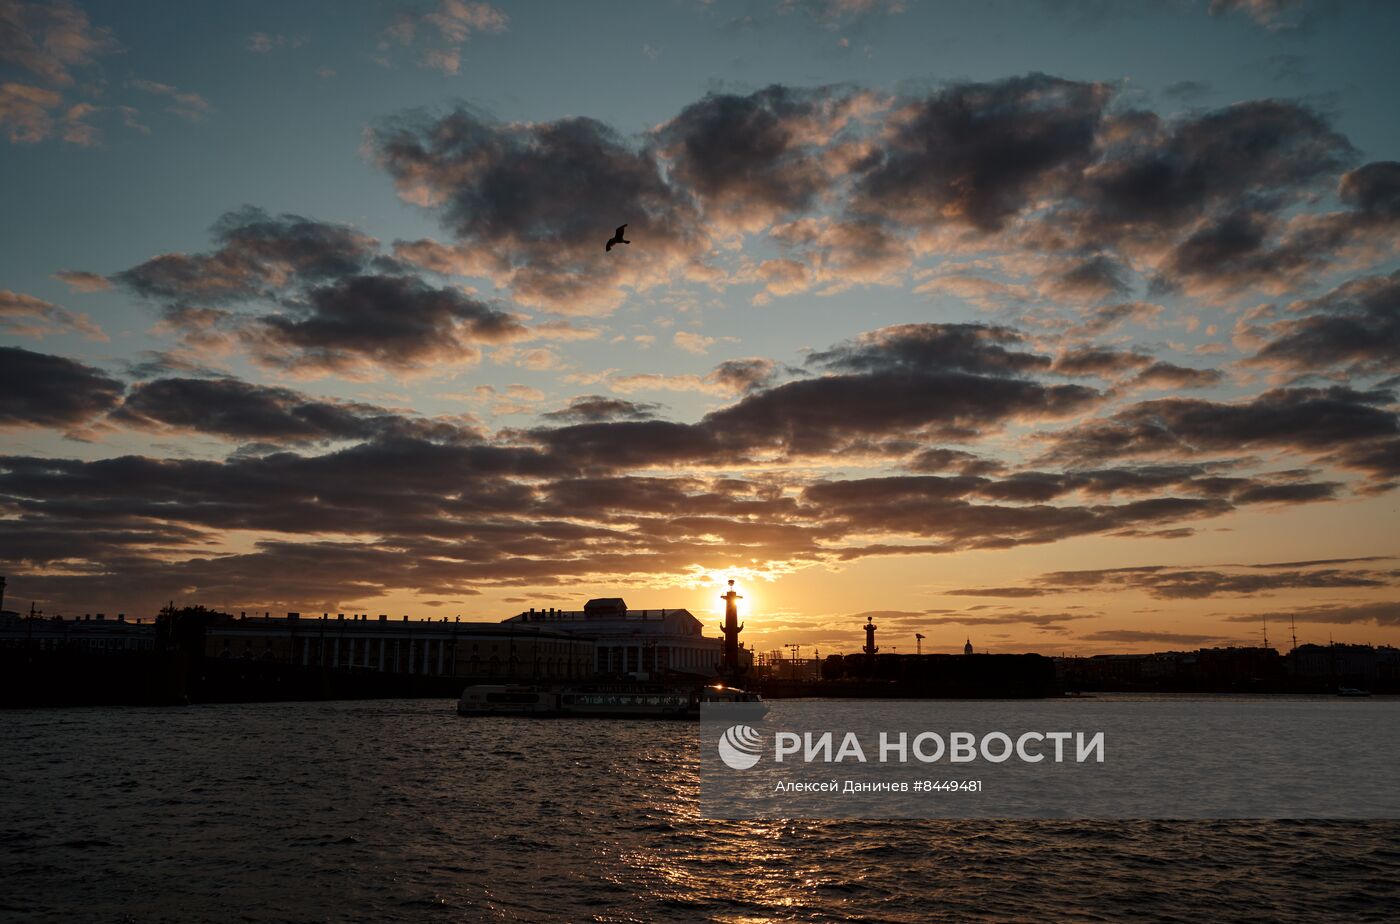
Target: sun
746	585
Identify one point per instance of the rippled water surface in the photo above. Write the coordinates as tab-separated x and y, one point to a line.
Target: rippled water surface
401	811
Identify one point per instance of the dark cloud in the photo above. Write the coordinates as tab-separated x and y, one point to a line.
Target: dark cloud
398	322
1099	361
1381	458
940	508
974	348
1165	638
243	411
822	414
1037	487
626	444
116	540
596	408
1157	177
446	517
912	382
1083	194
338	305
1165	375
744	375
40	390
530	205
752	159
1172	583
1199	201
979	153
965	463
1373	190
1287	493
1009	592
1090	278
1385	613
1313	562
426	511
1255	247
259	256
1355	327
409	514
397	487
1310	420
1044	621
1230	251
673	508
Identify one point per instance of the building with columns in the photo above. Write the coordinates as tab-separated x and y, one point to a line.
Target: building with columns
435	648
640	642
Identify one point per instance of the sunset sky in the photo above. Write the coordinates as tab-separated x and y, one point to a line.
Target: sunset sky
1062	325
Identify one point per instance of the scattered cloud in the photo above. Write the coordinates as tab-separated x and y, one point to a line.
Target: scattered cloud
189	106
83	281
340	305
438	33
26	316
699	344
1272	15
1081	219
48	47
261	43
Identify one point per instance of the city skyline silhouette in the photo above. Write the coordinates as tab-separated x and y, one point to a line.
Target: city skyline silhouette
1062	342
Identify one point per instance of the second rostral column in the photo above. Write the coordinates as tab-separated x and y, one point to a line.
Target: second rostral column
731	629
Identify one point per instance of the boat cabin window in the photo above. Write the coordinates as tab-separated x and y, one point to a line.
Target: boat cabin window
512	697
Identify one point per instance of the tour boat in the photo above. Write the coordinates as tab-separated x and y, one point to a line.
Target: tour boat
603	700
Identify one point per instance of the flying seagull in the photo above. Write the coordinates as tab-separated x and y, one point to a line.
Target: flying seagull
617	238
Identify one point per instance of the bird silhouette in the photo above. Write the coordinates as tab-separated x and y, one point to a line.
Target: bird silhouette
617	238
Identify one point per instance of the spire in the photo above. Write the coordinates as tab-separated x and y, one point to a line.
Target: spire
732	627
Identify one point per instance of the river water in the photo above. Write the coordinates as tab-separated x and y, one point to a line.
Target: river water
401	811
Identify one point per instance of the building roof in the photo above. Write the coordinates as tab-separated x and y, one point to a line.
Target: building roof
614	620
